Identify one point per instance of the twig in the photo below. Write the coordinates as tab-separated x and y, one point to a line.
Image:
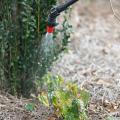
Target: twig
116	15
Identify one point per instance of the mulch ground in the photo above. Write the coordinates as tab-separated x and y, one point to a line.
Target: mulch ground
12	108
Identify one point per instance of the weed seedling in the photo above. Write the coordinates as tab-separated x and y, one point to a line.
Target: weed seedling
64	99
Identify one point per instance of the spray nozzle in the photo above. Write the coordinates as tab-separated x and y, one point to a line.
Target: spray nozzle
55	11
52	16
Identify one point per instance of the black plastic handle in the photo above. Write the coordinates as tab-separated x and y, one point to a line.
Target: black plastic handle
63	7
55	11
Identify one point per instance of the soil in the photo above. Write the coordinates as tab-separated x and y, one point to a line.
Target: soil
12	108
93	61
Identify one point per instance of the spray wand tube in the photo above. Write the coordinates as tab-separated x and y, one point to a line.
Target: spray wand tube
55	11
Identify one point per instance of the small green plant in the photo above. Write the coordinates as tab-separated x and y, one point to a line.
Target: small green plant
64	99
30	107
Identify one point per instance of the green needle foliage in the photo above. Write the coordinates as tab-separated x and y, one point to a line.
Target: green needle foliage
22	26
64	99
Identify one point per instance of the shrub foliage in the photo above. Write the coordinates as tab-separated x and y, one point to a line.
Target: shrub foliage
22	25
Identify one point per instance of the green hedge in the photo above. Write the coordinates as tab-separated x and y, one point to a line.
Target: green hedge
22	25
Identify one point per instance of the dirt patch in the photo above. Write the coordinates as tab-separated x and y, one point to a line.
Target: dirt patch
12	108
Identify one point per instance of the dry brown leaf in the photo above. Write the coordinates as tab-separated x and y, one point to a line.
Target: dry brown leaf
110	107
104	82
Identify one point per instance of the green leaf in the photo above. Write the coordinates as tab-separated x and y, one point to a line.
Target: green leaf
30	107
85	96
44	99
110	118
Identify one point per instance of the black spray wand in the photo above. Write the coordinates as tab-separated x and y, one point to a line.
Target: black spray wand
55	12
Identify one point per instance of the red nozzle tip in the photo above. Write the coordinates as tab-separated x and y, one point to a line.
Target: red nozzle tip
50	29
